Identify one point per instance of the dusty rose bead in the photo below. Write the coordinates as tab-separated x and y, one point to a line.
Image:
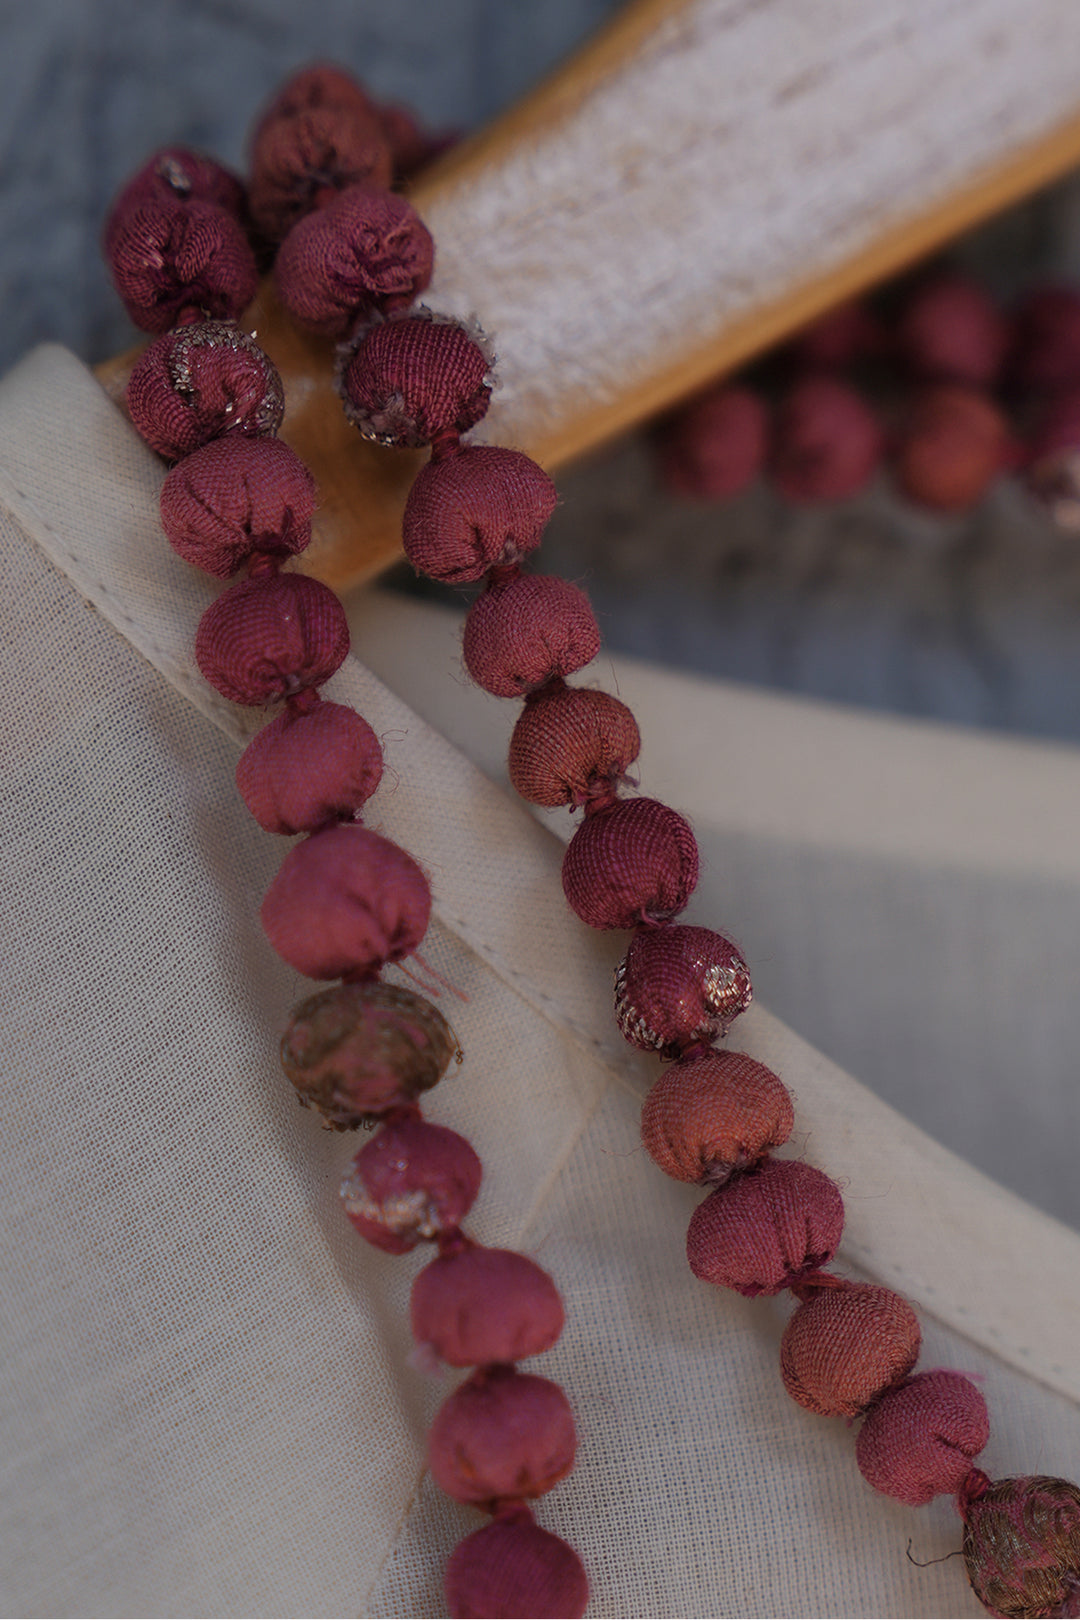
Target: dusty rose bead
841	337
359	1050
166	257
266	638
363	248
844	1347
176	174
199	382
766	1229
303	770
919	1440
502	1434
482	1305
635	862
1022	1544
1047	340
572	745
301	158
409	379
412	1182
345	903
952	331
711	1115
236	496
827	443
469	511
524	632
679	986
955	444
513	1568
715	446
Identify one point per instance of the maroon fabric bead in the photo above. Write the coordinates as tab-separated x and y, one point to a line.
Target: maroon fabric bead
501	1434
513	1569
766	1229
841	337
166	257
955	443
176	174
320	84
635	862
571	745
828	441
1047	339
1022	1544
711	1115
302	155
524	632
364	248
470	511
235	496
844	1347
266	638
482	1305
200	382
679	986
406	380
714	447
1053	472
952	331
412	1182
303	770
345	903
920	1439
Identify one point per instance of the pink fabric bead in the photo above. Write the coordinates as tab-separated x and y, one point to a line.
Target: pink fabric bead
920	1439
235	496
1022	1544
363	248
345	903
167	256
266	638
954	445
199	382
301	158
846	1346
303	770
524	632
469	511
714	447
677	987
481	1305
412	1182
409	379
512	1568
635	862
176	174
709	1116
952	331
766	1229
841	337
828	442
1047	351
501	1434
572	745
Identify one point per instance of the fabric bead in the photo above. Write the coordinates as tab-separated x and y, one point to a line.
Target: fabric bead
301	158
470	511
1053	473
512	1568
268	637
954	446
571	745
766	1229
1022	1545
524	632
303	770
635	862
176	174
363	248
199	382
481	1305
345	903
321	84
412	1182
502	1434
715	446
167	256
405	380
709	1116
844	1347
952	331
841	337
677	987
919	1439
235	496
359	1050
1047	339
827	443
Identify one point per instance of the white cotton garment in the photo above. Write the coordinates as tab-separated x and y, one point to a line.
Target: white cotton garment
208	1406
